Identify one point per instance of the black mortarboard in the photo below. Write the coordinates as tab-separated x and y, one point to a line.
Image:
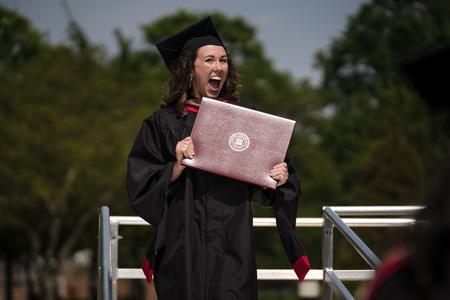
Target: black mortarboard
429	74
198	35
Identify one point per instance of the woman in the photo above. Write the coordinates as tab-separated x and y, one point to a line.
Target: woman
203	247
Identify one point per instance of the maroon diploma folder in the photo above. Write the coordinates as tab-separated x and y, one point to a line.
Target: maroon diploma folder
238	142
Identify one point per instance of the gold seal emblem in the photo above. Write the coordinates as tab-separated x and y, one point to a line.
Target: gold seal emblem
239	141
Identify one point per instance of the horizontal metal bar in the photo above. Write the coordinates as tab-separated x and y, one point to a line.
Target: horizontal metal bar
262	274
355	275
128	220
378	222
128	273
336	284
375	210
352	238
300	222
286	274
275	274
352	222
257	222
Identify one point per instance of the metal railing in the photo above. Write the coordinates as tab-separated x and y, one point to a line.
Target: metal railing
108	244
332	218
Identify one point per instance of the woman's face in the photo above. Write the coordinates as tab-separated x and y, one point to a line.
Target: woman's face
210	71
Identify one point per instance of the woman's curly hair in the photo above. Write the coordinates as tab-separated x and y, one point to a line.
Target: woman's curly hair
179	86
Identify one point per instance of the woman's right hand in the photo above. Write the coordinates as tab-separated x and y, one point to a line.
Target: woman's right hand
183	149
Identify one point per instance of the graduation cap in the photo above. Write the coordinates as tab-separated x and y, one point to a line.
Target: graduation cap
429	75
197	35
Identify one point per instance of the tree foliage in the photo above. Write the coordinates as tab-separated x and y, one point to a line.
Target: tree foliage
69	114
65	129
382	137
365	86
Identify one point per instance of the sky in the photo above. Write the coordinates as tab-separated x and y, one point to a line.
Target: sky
291	31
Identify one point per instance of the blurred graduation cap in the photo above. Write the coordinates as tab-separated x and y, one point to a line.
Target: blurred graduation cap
197	35
430	76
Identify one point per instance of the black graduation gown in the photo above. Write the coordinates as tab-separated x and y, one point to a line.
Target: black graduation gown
203	247
396	280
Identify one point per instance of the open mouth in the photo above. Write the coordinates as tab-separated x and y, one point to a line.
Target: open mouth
214	83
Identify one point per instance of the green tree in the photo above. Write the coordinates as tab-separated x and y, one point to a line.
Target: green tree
64	145
19	41
364	86
381	136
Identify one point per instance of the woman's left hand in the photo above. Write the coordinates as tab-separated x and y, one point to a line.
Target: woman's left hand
280	173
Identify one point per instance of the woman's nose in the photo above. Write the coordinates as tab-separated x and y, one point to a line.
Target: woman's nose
217	65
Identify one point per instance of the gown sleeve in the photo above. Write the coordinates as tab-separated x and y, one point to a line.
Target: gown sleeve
284	200
149	171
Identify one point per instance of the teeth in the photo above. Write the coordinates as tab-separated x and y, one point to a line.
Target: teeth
216	78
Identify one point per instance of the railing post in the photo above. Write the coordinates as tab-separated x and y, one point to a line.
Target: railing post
352	238
104	272
327	255
114	257
333	282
